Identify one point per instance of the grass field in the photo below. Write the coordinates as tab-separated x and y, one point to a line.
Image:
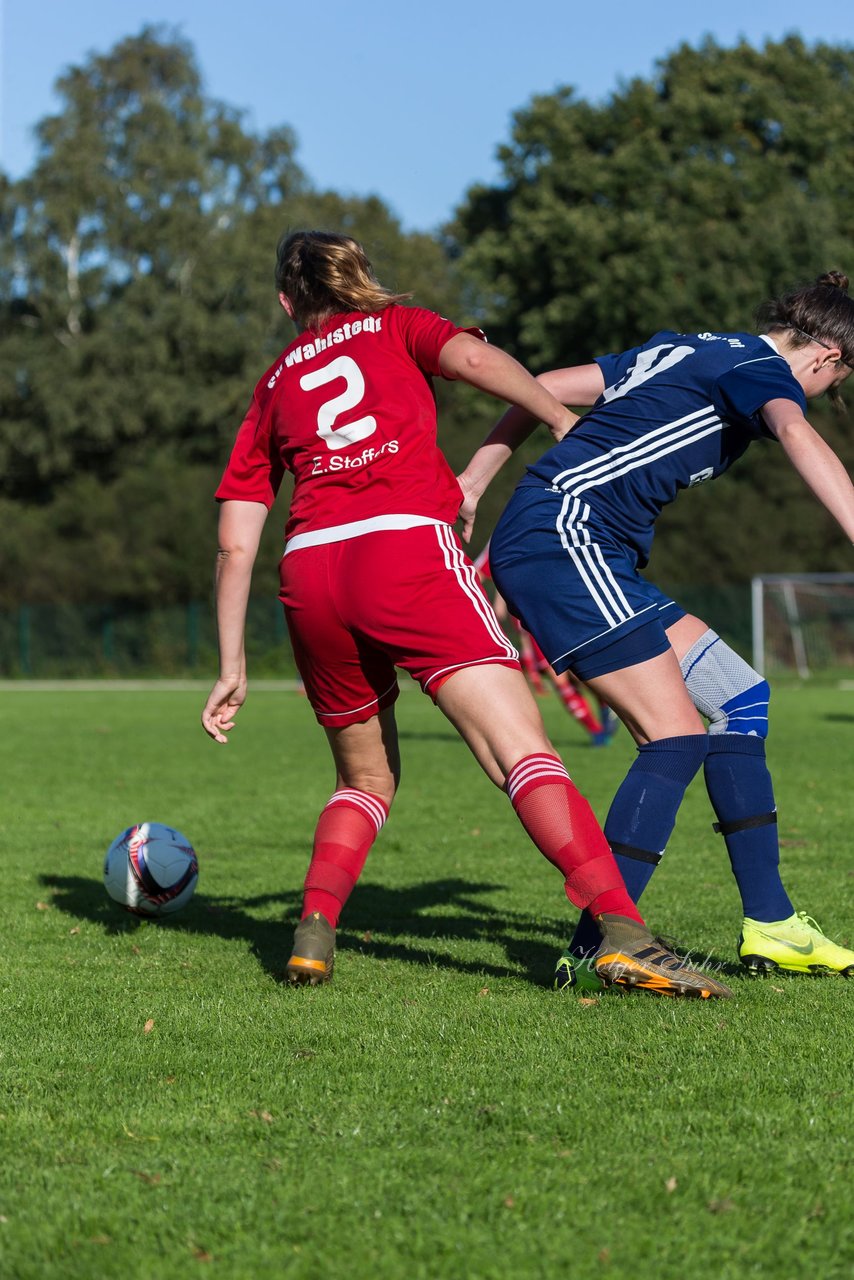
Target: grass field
168	1108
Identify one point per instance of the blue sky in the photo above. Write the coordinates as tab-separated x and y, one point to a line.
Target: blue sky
408	102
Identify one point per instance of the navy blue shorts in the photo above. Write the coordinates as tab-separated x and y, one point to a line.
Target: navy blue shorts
576	587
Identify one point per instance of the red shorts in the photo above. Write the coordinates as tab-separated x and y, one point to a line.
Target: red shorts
405	598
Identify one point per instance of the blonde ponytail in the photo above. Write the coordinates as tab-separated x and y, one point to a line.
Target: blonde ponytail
324	274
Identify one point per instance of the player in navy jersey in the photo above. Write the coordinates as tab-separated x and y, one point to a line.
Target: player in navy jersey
537	670
373	577
668	415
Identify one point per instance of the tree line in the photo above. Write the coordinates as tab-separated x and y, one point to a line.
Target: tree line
137	305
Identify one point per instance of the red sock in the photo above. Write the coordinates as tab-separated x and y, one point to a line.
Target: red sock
563	827
576	705
346	829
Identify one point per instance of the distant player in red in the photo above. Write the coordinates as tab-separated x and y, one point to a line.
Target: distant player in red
536	667
373	577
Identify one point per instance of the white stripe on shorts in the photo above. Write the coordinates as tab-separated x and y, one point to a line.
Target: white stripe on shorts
466	576
331	715
595	573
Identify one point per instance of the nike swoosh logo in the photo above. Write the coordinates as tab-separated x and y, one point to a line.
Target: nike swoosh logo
793	946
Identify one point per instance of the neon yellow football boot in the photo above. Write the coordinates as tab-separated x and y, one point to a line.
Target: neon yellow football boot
796	944
578	976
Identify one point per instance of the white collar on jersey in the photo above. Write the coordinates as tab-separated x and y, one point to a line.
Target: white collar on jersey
771	343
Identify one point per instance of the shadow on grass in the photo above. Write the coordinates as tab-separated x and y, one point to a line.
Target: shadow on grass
412	924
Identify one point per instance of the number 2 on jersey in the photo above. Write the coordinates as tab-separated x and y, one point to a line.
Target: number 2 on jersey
338	438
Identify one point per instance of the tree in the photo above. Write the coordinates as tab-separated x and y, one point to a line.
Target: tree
120	301
137	310
689	196
681	203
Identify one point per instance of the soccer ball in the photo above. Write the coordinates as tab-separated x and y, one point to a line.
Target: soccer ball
151	870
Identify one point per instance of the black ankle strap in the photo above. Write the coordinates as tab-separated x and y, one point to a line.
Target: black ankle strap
745	824
630	851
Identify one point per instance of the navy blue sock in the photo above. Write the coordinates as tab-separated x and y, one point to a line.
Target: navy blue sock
642	817
739	787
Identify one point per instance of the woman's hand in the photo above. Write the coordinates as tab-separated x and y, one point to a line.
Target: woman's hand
468	507
240	525
560	429
225	700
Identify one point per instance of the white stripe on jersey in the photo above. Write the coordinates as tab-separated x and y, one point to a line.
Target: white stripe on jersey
355	529
466	575
642	462
757	359
594	571
647	448
368	804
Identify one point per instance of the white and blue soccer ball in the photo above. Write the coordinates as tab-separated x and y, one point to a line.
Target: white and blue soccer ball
151	869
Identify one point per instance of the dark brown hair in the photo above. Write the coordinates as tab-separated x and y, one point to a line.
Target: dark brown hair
323	274
821	312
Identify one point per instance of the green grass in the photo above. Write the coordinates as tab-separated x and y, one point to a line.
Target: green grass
438	1111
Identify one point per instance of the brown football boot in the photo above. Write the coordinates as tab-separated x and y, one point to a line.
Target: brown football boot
313	956
629	956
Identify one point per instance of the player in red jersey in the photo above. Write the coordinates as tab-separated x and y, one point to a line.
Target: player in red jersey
373	577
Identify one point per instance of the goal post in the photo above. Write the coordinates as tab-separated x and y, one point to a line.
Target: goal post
802	622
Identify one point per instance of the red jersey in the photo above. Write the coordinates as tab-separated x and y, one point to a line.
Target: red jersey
352	414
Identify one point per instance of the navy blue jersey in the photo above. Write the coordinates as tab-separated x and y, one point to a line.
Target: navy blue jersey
676	411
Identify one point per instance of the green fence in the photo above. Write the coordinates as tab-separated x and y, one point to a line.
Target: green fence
56	641
725	609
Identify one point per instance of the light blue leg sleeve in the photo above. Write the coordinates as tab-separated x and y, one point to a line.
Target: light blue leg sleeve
725	689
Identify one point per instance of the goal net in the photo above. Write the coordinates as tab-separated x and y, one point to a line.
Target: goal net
803	623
